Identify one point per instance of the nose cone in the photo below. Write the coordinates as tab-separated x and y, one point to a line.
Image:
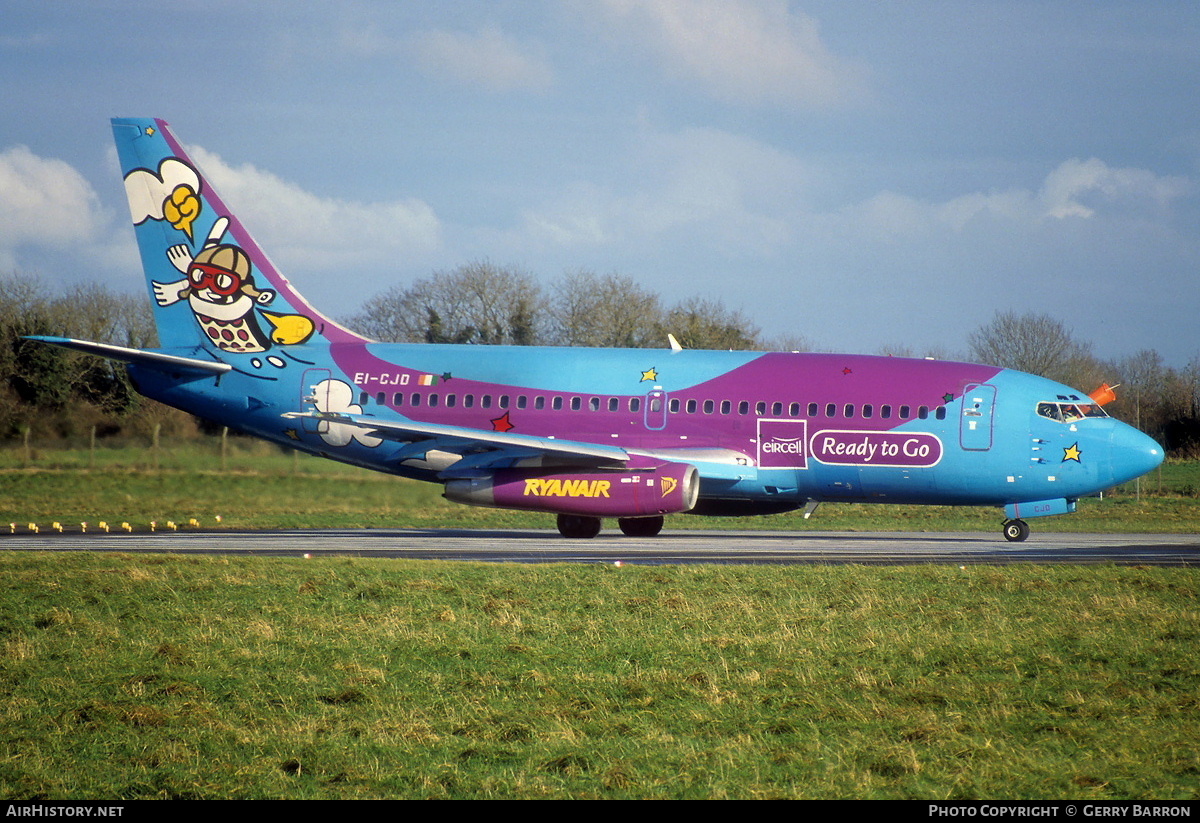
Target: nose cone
1133	453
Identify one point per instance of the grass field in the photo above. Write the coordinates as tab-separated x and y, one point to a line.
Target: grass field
254	485
193	677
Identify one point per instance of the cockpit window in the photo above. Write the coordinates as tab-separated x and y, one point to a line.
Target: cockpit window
1069	412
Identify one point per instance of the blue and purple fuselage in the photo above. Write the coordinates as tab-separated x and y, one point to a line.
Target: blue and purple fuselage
586	434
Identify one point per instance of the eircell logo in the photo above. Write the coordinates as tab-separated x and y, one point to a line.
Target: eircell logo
559	487
782	444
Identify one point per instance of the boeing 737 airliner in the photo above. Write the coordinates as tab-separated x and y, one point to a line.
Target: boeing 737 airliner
631	434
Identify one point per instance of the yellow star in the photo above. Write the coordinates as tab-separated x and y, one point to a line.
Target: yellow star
1072	452
292	433
649	374
150	131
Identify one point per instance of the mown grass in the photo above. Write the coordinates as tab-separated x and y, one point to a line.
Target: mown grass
194	677
254	485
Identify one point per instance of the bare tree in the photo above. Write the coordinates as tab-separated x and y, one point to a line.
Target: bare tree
475	303
604	311
707	324
1037	344
794	342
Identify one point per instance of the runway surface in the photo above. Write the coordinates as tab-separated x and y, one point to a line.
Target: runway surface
729	547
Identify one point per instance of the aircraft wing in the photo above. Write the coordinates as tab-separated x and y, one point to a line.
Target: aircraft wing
479	450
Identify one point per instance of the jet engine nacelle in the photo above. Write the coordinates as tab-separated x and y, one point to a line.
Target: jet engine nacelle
664	489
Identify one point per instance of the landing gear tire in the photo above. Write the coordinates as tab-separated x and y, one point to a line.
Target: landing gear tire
578	526
640	526
1015	531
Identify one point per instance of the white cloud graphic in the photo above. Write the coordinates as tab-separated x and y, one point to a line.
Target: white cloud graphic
146	190
337	396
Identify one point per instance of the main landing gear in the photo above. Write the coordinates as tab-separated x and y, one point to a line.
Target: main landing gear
577	525
1015	531
640	526
581	526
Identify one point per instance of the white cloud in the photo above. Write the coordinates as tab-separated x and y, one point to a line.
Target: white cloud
44	202
739	204
741	51
1067	188
487	58
735	190
298	228
1085	190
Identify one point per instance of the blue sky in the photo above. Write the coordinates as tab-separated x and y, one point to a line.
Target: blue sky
863	174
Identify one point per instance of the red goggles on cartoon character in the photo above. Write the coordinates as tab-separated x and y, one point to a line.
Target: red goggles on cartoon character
214	278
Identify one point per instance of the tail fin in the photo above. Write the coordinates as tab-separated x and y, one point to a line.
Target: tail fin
211	284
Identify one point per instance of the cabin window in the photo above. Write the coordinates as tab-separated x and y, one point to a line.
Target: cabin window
655	403
776	409
940	414
433	400
849	409
504	401
486	402
451	400
594	404
744	407
416	399
468	401
363	398
397	399
794	410
556	403
885	411
726	406
576	404
381	398
923	413
831	410
614	404
868	410
522	401
760	409
674	405
812	409
635	404
709	405
905	412
539	402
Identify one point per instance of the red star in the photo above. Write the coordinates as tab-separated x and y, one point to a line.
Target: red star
847	370
501	423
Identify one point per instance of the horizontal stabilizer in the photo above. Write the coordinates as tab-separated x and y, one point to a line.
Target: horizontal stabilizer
140	357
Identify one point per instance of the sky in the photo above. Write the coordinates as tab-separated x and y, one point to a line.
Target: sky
864	175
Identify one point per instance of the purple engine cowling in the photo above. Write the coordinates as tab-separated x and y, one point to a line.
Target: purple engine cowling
664	489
